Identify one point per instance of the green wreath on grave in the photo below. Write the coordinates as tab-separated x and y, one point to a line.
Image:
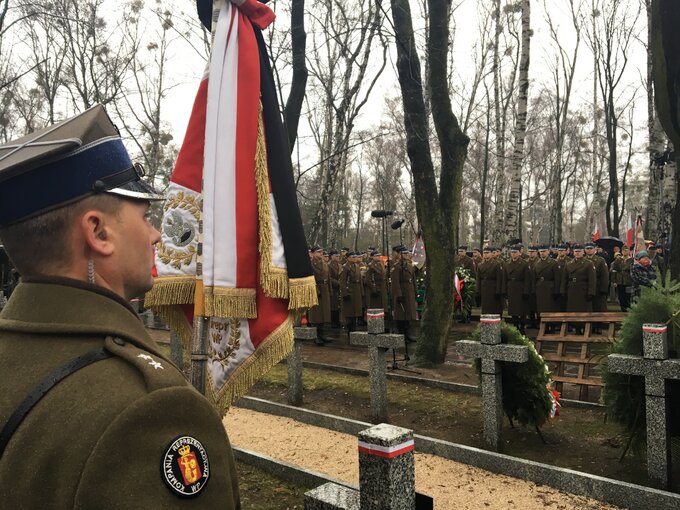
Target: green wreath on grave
624	395
527	395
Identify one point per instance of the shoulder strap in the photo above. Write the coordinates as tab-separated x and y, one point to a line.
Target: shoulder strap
46	385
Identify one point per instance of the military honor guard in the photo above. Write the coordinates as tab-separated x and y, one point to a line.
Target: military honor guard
320	315
352	290
519	287
376	281
562	260
580	282
404	293
334	278
620	277
602	275
490	283
547	282
92	412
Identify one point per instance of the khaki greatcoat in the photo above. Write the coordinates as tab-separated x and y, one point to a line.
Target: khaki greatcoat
376	285
352	290
334	277
548	283
321	313
602	285
97	439
490	286
404	291
519	285
579	285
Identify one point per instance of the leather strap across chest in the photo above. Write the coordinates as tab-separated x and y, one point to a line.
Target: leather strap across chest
43	387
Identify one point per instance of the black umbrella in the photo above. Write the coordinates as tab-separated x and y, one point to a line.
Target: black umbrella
607	243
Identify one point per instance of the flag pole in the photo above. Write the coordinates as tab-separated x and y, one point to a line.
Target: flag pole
199	352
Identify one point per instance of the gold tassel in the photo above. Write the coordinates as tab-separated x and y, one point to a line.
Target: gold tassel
274	280
226	303
270	352
302	293
171	290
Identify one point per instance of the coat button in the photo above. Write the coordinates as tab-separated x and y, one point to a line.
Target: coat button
118	341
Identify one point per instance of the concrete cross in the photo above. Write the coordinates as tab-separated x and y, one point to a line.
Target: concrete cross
295	364
378	343
493	353
656	368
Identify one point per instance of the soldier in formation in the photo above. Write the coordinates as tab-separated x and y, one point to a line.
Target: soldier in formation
620	277
404	293
376	282
352	290
519	287
320	315
580	282
334	278
491	283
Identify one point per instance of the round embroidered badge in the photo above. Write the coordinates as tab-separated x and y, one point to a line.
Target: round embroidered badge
185	466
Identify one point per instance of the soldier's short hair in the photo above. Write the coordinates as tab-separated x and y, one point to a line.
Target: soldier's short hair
41	244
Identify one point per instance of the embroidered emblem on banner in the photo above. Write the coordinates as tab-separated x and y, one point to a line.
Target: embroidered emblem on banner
185	466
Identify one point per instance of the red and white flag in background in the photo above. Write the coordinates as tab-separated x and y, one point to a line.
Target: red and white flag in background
596	233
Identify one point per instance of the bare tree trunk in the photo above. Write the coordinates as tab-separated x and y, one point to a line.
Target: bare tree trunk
499	131
512	226
437	211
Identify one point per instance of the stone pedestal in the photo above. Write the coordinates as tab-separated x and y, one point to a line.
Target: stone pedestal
492	354
295	364
377	346
387	468
375	320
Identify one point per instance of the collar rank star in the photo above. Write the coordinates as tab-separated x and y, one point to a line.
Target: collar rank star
185	466
155	364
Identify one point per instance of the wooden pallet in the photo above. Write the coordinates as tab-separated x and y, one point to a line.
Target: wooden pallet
573	339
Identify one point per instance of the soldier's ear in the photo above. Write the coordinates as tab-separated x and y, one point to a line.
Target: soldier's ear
93	229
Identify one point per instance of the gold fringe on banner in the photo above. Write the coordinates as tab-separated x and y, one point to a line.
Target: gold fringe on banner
274	280
302	293
171	290
271	351
226	302
174	317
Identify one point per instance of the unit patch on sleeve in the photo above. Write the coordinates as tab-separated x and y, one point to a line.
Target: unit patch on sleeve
185	466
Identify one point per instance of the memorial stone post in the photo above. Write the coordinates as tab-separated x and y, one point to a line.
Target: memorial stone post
295	364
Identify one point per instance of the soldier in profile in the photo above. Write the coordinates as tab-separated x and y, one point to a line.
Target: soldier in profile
92	413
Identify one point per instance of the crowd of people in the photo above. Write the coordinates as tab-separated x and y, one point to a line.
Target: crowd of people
569	278
349	282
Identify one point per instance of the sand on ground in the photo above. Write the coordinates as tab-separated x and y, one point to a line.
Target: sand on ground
452	485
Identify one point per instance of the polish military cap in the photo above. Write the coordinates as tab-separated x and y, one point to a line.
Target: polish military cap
488	249
404	249
515	247
562	247
532	248
334	252
590	245
462	247
316	248
543	247
475	250
375	253
397	248
577	247
61	164
344	249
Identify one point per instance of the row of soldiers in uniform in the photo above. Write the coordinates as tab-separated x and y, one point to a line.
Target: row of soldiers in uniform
537	282
348	283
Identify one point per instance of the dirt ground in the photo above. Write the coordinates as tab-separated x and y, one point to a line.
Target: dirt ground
451	484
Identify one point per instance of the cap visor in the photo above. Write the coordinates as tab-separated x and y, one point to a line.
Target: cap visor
137	190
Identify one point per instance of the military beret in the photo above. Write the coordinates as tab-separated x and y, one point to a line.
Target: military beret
64	163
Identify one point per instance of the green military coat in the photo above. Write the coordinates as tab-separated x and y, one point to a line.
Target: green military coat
105	436
321	313
547	282
465	262
519	285
404	292
602	285
490	286
561	266
334	277
579	285
376	285
620	271
352	289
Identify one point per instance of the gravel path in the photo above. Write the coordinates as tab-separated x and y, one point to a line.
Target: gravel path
451	484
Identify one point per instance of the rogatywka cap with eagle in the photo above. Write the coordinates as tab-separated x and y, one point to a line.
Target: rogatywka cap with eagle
66	162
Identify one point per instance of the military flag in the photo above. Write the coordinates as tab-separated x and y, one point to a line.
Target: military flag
233	248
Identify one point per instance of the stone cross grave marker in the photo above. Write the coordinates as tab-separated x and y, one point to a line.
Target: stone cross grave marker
295	364
378	343
386	476
656	368
493	353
